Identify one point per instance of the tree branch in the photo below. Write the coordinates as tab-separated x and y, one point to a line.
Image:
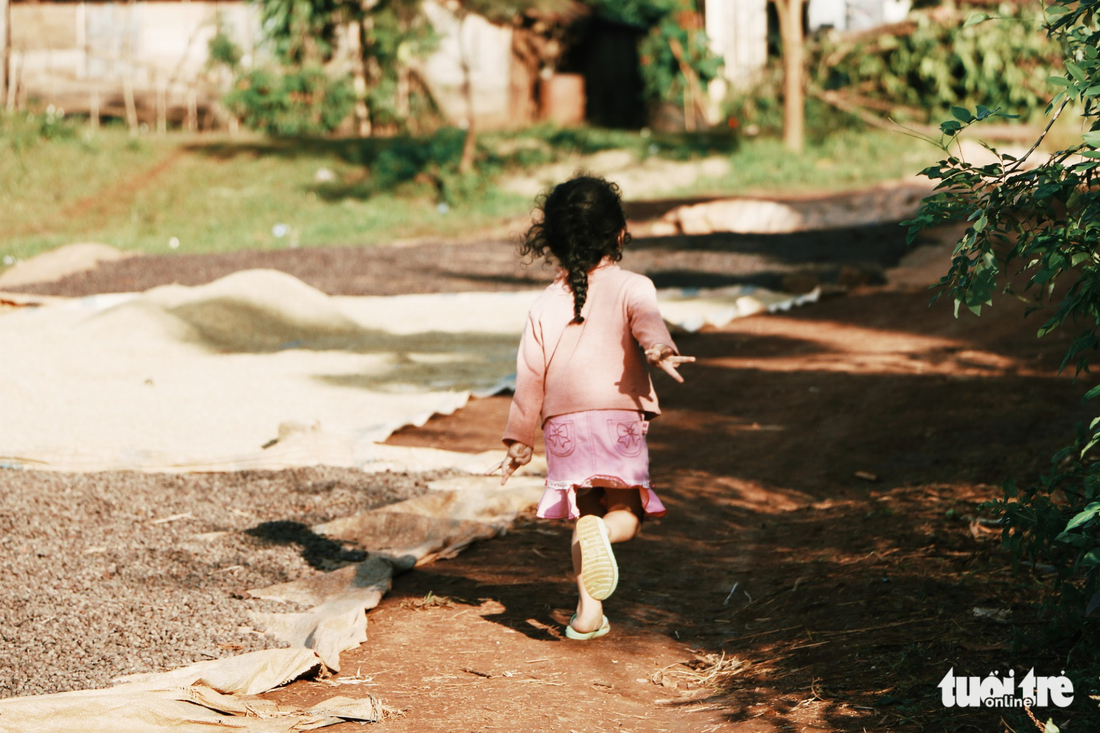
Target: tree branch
1016	166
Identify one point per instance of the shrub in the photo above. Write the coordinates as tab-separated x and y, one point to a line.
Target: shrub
936	60
1045	221
291	102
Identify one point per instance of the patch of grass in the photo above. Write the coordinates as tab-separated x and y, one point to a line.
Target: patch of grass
188	194
546	144
214	195
848	159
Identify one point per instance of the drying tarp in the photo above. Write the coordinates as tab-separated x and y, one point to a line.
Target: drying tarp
209	696
437	525
259	370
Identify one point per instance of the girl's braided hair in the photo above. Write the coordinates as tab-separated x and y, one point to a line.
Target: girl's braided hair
582	222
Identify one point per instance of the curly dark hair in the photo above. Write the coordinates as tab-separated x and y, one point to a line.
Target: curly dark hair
582	222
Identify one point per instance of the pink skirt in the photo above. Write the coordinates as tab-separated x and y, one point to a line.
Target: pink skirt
595	448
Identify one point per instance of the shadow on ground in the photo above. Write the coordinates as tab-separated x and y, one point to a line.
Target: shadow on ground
859	255
822	524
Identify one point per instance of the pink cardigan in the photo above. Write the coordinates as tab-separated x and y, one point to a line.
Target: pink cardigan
566	367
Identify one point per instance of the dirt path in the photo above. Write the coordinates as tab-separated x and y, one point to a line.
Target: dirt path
853	597
821	470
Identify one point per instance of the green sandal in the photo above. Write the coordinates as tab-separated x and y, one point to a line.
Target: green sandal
599	571
575	635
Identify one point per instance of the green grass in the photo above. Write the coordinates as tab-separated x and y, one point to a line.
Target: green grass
846	160
210	195
216	194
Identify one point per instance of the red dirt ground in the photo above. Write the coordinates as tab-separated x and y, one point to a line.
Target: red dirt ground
854	596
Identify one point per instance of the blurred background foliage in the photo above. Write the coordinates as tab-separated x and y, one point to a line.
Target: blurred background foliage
921	68
306	100
915	71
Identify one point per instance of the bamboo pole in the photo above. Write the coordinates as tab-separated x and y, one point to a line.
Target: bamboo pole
131	106
162	106
128	80
192	110
694	99
14	80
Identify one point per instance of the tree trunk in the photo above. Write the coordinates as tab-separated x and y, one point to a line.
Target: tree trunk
794	101
5	47
469	147
360	49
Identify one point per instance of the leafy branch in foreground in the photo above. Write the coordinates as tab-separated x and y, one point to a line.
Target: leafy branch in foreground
1039	219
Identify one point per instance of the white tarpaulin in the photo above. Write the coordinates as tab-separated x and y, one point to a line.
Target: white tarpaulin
259	370
209	696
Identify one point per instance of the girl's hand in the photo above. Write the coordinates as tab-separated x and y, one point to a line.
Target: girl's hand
663	357
518	455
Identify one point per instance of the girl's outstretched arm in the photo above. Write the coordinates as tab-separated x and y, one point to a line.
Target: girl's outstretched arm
649	329
665	357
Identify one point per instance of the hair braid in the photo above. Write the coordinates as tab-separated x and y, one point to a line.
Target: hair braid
578	283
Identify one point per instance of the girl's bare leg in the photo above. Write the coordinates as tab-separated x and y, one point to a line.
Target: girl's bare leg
623	519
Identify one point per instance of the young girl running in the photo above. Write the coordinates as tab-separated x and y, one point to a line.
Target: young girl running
581	373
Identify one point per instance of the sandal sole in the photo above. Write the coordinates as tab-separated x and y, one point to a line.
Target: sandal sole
599	571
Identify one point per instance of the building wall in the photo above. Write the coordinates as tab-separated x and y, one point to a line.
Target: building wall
62	52
855	15
486	49
738	31
827	14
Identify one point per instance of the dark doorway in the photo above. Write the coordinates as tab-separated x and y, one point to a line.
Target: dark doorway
607	56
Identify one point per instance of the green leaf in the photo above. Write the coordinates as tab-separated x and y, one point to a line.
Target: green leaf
1084	517
950	127
1047	328
1092	393
1076	72
1059	81
975	19
962	114
1091	558
1092	138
